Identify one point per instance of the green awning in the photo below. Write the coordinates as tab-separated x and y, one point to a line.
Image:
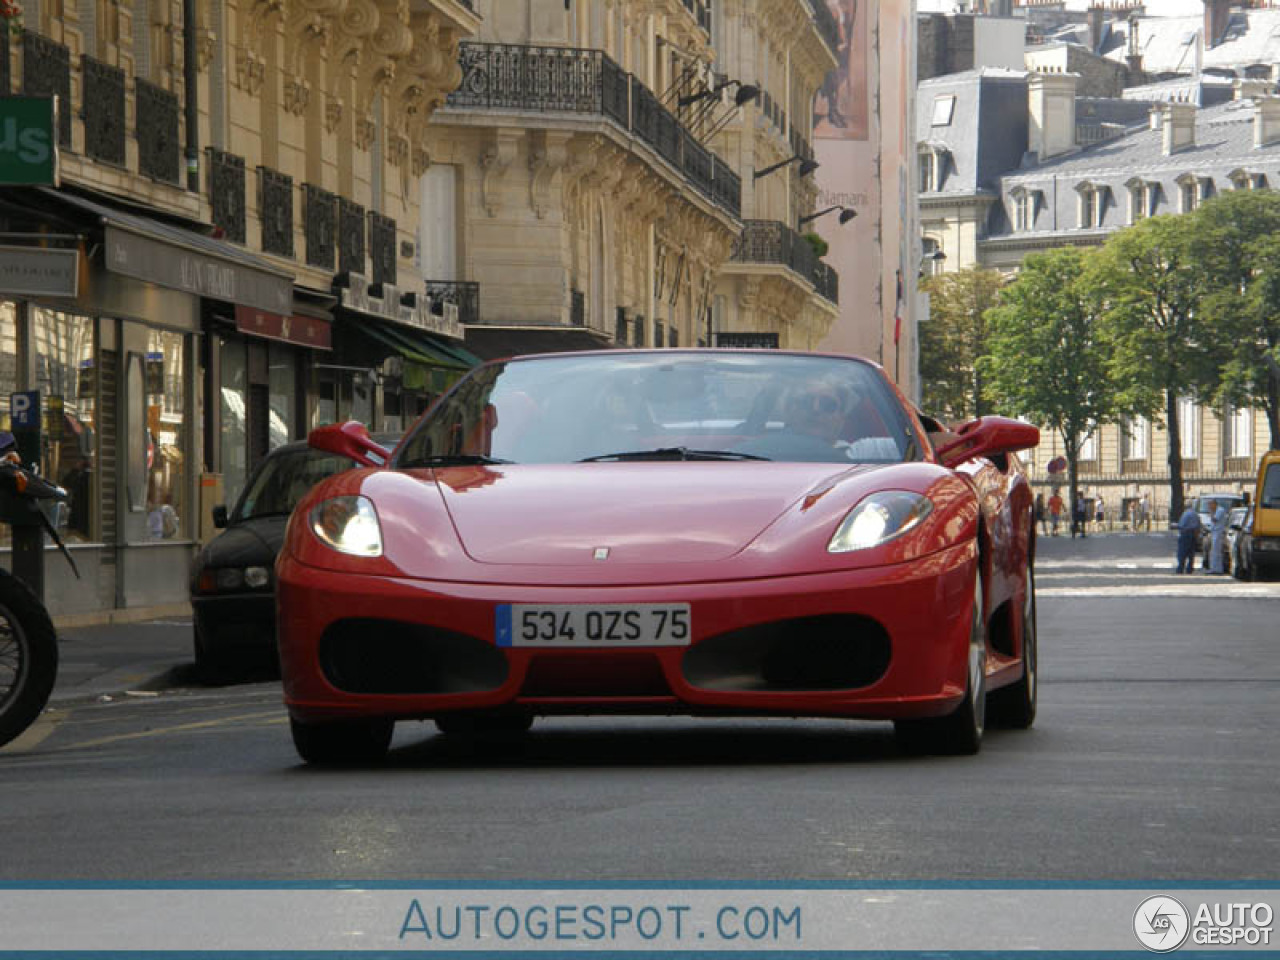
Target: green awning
415	345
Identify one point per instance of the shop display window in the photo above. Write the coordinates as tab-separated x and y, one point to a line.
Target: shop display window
167	435
233	438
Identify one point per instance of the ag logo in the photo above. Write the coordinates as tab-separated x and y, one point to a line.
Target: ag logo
1161	923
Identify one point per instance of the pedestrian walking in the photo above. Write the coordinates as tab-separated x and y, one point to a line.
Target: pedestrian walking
1042	514
1079	516
1100	513
1055	511
1146	511
1188	533
1218	533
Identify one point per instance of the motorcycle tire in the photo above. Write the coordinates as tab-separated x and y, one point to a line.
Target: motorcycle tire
28	657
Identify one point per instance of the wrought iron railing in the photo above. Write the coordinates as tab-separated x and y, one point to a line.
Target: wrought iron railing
102	110
382	247
46	70
463	294
826	24
227	193
351	255
320	215
769	241
156	125
562	79
275	211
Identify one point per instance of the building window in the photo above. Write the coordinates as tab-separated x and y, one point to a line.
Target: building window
1089	447
1134	439
931	257
1022	218
1239	424
1247	180
1092	204
66	376
928	171
167	430
944	108
1142	197
1189	428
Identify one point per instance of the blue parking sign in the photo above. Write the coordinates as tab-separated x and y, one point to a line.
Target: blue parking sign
24	410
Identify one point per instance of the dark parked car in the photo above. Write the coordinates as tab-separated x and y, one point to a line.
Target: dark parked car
1242	567
1205	505
233	581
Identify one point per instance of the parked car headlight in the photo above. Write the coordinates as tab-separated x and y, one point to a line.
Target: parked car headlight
348	525
257	577
879	518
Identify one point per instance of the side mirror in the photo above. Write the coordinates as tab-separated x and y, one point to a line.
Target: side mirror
220	516
350	440
986	437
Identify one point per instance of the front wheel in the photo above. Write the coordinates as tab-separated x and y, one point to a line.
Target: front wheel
959	732
28	657
1015	705
344	742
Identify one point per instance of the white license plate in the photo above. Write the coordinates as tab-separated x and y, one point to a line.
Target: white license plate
594	625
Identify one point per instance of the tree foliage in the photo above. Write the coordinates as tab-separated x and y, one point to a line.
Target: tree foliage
1162	346
952	340
1234	240
1045	361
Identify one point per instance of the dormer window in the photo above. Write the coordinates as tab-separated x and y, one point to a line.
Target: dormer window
1092	203
1026	204
1242	179
1143	195
934	163
1191	191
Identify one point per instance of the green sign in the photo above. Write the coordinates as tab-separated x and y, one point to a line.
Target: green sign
28	141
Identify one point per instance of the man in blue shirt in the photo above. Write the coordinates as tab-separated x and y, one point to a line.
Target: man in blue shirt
1188	531
1218	529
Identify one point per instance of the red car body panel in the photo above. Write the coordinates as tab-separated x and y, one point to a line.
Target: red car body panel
743	543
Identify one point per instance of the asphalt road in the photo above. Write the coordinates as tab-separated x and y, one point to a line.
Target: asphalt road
1154	758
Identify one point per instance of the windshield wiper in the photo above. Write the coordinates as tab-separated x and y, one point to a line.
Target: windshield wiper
452	460
672	453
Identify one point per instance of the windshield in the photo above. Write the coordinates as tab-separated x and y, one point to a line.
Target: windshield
671	406
283	478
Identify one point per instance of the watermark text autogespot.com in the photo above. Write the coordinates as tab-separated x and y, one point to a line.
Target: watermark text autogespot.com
606	923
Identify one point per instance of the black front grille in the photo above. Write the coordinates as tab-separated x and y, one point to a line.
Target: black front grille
832	652
387	656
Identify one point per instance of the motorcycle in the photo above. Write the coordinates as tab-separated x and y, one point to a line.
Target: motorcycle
28	641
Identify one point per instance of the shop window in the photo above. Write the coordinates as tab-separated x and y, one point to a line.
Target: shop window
66	378
233	438
164	389
283	381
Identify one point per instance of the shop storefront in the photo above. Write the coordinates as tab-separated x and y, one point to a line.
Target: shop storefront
398	355
115	360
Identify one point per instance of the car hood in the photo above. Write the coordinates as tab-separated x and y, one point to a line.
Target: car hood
251	542
641	513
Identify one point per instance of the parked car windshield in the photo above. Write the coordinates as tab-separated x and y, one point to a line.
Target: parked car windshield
283	478
668	405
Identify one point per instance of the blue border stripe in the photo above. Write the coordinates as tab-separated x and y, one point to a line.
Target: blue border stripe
622	954
502	628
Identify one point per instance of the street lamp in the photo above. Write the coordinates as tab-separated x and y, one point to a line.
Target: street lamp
807	166
746	93
846	214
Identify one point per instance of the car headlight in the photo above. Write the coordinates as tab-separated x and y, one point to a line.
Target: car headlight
348	525
878	519
228	578
257	577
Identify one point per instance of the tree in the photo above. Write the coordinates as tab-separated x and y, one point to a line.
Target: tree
1045	362
953	339
1162	346
1234	240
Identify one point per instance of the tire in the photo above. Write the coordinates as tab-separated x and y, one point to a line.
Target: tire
960	732
1014	706
28	657
342	743
212	668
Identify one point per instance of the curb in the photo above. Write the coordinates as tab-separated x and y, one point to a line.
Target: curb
98	618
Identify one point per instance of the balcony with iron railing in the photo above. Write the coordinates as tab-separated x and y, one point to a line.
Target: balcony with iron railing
772	242
826	25
588	82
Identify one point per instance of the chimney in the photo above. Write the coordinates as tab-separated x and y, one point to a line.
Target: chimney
1133	56
1097	20
1217	14
1266	122
1179	126
1051	102
1247	88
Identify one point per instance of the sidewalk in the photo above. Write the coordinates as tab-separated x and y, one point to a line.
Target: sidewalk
109	659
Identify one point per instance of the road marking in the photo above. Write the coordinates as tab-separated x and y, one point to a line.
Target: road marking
1211	589
178	728
35	734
